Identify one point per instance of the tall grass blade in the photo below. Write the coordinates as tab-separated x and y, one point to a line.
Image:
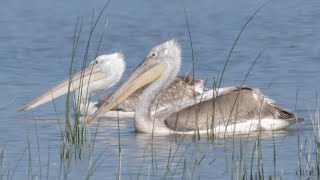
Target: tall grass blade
236	41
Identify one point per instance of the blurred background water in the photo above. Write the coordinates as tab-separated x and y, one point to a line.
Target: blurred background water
35	53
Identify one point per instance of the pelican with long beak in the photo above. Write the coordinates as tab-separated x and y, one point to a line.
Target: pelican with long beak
234	109
101	73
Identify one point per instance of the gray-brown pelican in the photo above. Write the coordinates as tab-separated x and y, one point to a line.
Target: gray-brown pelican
181	89
234	109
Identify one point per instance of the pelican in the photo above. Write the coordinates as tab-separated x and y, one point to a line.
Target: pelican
104	72
101	73
182	88
234	109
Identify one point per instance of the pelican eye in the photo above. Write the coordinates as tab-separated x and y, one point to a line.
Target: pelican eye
153	54
96	62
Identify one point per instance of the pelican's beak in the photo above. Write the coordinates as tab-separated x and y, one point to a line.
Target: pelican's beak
90	74
143	75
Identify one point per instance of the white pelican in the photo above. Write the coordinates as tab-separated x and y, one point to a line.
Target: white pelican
104	72
101	73
234	109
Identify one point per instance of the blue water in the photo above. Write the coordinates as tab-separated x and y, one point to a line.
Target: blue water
35	52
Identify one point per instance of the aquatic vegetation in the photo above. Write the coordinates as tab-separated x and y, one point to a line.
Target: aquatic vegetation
138	156
76	135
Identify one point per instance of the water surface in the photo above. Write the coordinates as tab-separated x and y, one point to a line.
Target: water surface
35	52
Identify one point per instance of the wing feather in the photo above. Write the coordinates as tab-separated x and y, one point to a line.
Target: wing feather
230	106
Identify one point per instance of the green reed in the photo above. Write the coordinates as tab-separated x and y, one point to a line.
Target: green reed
245	164
316	130
2	173
74	135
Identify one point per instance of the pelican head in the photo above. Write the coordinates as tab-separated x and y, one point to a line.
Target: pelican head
103	72
160	66
110	66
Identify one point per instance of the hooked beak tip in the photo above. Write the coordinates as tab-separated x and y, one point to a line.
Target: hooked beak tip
88	120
